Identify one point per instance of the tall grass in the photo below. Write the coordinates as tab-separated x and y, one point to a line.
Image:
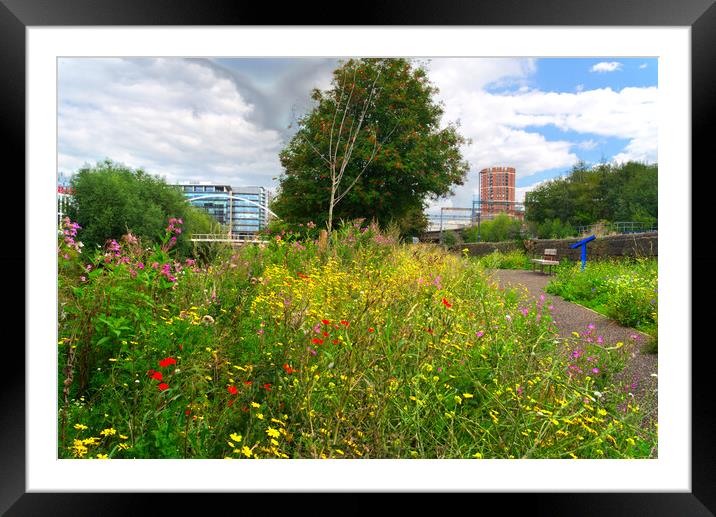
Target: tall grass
363	348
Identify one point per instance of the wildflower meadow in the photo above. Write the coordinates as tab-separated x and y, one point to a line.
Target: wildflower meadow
359	347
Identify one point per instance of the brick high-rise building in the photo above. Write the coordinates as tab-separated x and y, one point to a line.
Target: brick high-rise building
497	192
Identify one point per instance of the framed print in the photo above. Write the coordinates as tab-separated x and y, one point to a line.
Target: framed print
56	57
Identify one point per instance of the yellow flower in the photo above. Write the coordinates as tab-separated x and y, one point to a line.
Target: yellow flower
122	437
235	437
254	404
246	451
458	399
467	395
80	427
273	433
102	457
260	416
108	432
477	455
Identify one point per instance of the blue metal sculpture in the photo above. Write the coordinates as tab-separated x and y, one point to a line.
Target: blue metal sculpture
583	244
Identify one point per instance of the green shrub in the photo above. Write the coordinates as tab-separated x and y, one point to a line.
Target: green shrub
625	290
515	259
501	228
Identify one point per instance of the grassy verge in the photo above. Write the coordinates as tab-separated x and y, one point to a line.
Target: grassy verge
625	290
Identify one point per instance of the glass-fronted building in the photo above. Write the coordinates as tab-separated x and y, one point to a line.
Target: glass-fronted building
64	195
243	209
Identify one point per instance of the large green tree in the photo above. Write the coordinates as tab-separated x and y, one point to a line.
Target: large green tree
111	199
371	147
611	192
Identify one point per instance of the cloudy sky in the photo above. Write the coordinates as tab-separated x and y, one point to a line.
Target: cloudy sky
225	120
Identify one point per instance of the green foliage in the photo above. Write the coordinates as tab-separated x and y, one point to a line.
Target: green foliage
501	228
555	229
625	290
111	200
625	192
449	238
515	259
399	158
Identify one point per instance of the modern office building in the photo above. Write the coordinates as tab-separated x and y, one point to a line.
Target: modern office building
497	192
64	195
242	209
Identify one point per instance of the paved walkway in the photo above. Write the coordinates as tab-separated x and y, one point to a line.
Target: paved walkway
571	317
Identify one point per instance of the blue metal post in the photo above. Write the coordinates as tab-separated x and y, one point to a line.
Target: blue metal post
583	244
584	256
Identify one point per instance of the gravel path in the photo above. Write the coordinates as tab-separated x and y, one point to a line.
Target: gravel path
571	317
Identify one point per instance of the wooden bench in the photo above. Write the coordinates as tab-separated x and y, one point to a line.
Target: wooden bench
549	259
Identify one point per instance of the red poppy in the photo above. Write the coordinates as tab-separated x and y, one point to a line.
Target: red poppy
187	412
326	322
248	383
429	331
288	369
267	387
232	390
344	322
166	362
446	303
336	341
325	334
163	386
301	275
371	329
317	341
157	375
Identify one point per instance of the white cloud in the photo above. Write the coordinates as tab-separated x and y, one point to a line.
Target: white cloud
579	87
173	117
587	145
194	119
642	66
605	66
501	125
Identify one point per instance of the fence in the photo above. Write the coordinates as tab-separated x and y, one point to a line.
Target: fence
619	227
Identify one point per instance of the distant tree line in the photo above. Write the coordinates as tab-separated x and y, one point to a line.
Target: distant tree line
607	192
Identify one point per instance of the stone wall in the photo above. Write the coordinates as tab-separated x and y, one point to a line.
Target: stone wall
631	245
626	245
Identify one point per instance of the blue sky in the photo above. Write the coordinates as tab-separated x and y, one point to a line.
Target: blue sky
567	74
225	120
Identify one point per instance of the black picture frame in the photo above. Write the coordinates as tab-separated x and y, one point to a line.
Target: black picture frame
700	15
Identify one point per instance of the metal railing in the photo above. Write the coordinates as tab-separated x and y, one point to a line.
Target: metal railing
617	227
235	238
